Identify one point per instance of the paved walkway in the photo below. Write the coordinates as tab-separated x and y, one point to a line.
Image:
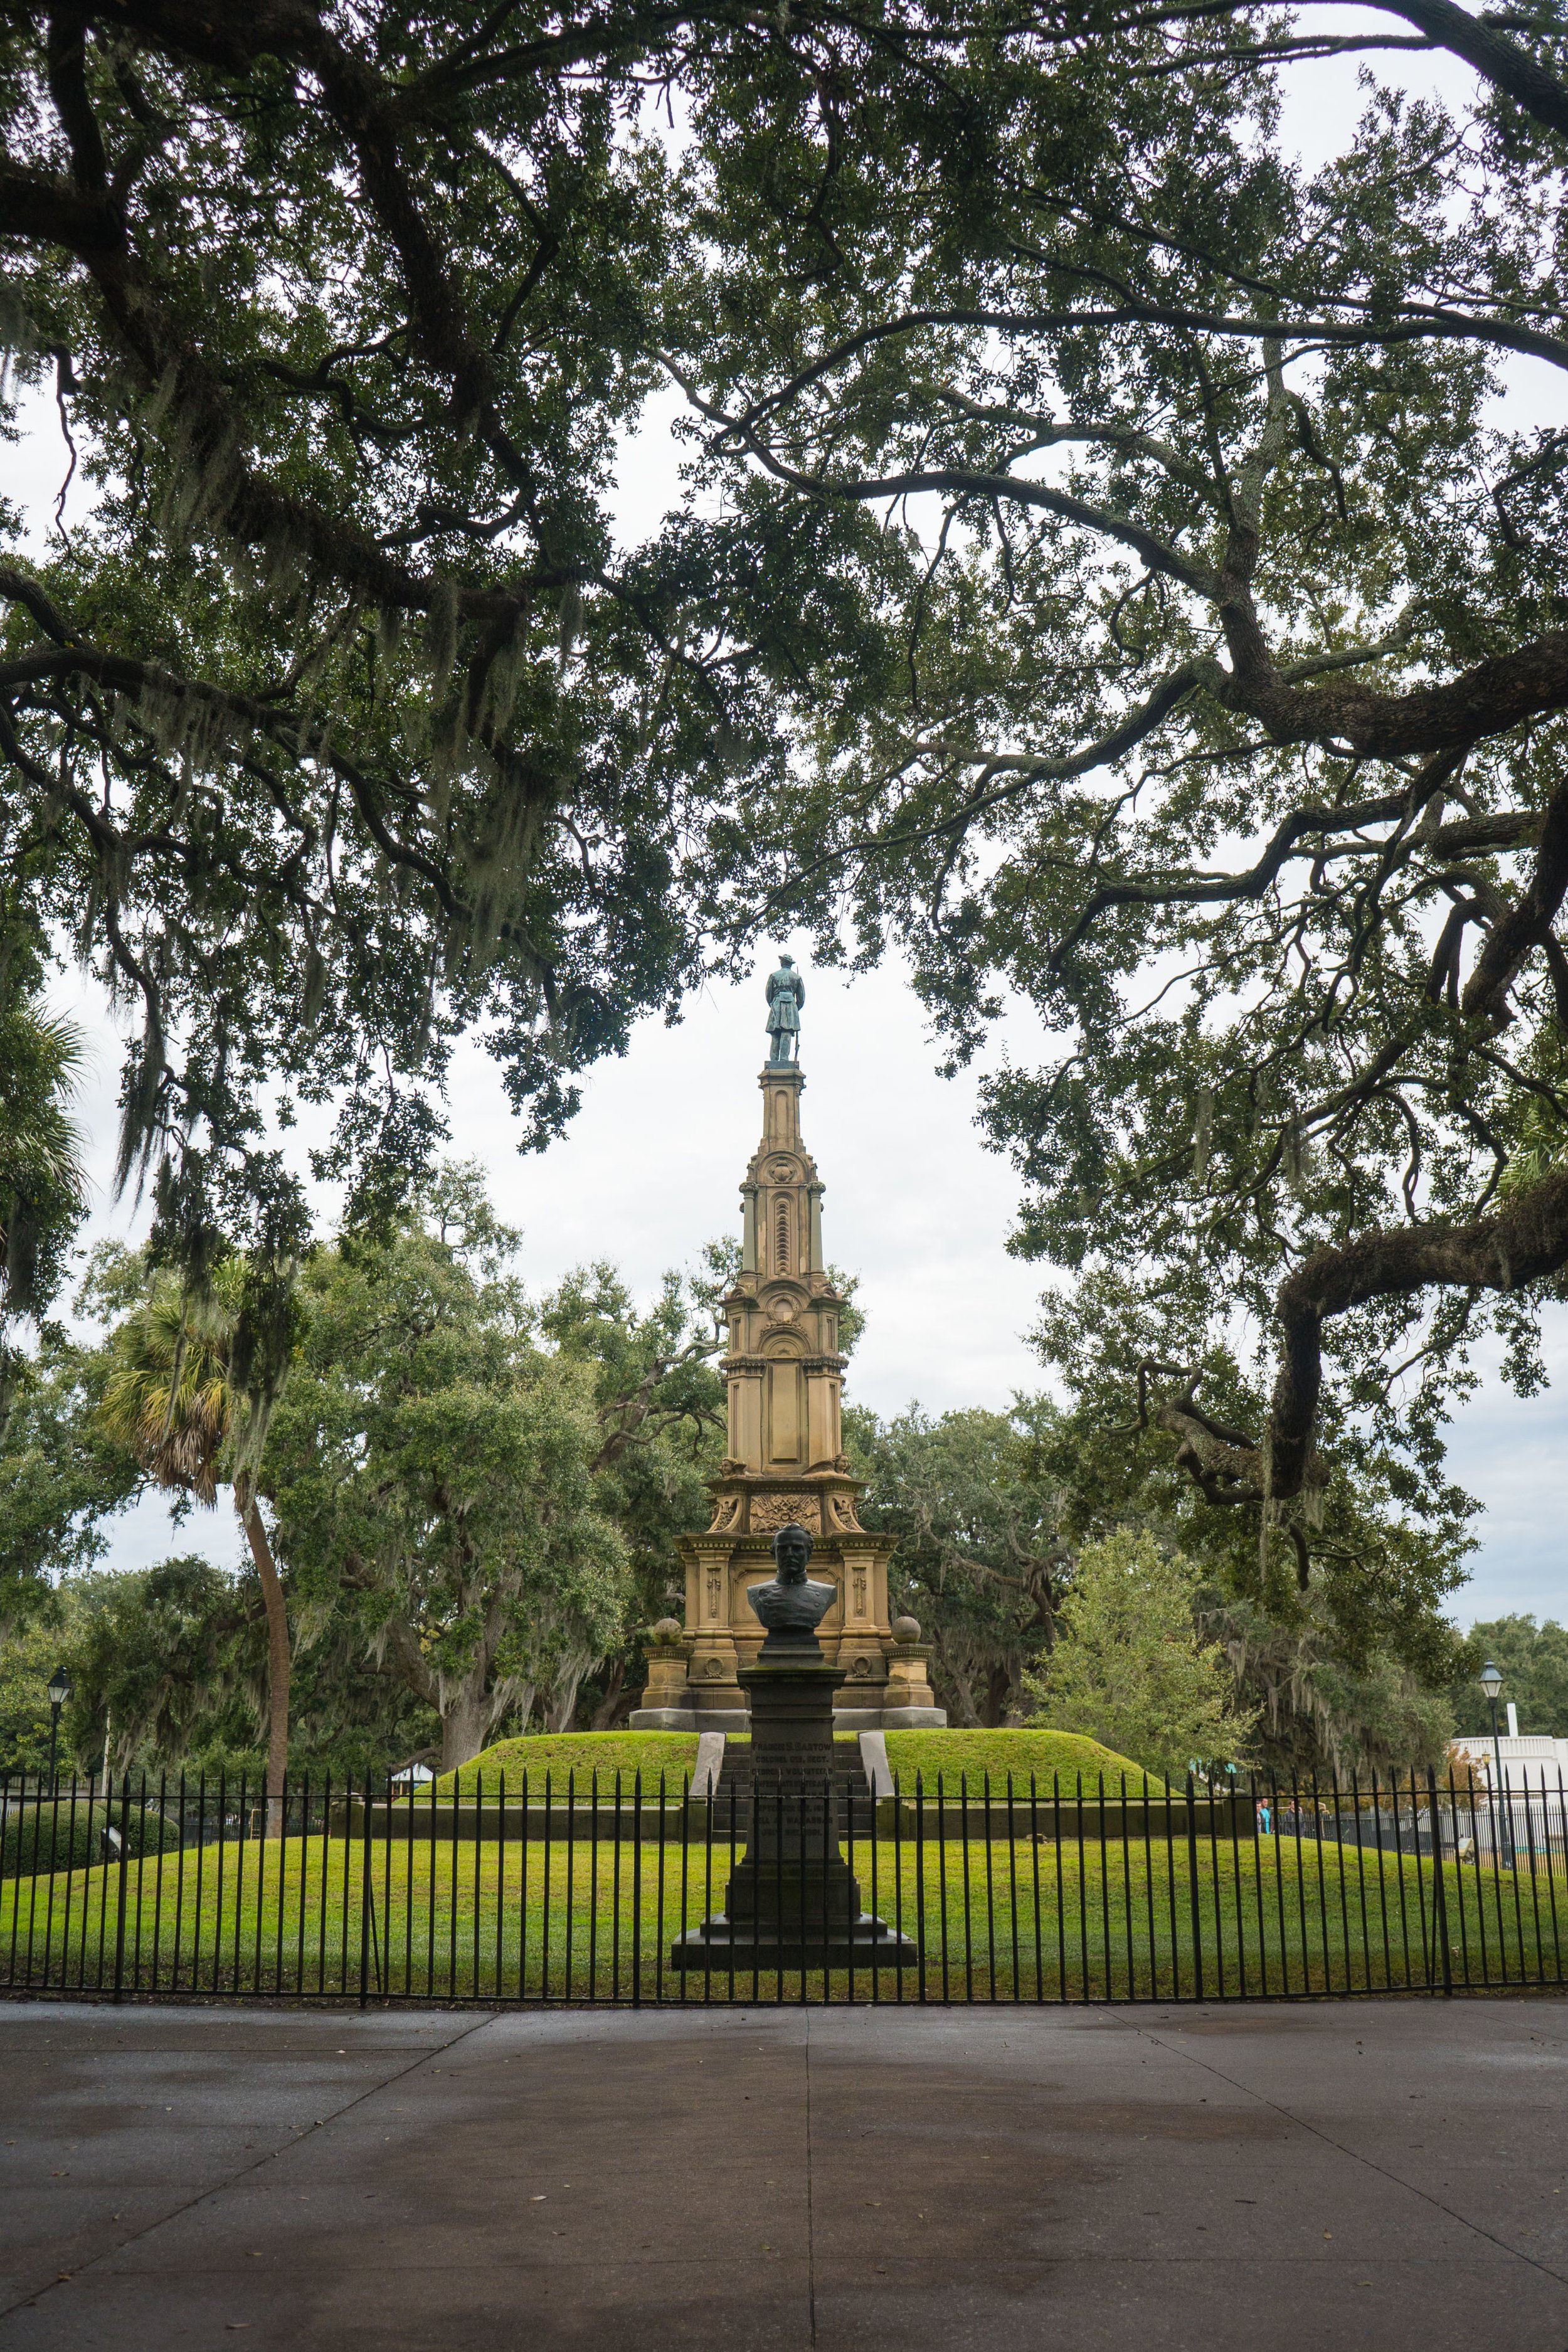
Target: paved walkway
1378	2174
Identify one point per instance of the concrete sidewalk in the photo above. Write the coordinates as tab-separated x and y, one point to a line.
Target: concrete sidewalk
1381	2174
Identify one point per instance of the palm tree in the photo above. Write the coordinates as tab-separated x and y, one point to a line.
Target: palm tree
42	1187
171	1401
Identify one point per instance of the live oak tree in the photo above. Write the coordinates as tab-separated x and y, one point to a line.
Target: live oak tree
1215	661
982	1562
992	1511
430	1469
1216	707
340	724
42	1186
1351	1675
62	1474
1534	1663
43	1192
169	1675
659	1407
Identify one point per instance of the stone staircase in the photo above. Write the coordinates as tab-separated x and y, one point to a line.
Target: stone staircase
857	1804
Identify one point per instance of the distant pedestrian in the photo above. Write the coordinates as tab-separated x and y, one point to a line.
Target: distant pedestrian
1264	1818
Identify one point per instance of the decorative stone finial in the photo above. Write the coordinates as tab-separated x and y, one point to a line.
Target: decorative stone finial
906	1629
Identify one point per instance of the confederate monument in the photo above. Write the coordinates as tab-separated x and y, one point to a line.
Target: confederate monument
785	1468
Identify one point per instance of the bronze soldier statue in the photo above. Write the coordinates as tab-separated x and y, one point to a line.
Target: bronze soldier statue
786	994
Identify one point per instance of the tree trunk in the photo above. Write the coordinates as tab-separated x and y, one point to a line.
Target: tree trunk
464	1722
617	1700
1519	1244
998	1696
561	1709
278	1662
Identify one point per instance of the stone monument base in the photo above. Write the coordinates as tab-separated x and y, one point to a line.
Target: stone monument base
742	1949
674	1701
848	1722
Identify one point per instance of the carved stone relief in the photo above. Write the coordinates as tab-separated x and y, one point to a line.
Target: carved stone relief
726	1514
769	1511
841	1510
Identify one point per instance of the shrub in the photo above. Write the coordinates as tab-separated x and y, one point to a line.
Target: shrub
72	1836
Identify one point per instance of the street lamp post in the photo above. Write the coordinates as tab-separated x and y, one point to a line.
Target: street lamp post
60	1691
1491	1683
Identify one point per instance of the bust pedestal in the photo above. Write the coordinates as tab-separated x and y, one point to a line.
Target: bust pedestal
794	1901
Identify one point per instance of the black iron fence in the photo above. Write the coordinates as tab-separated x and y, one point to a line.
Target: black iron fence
550	1891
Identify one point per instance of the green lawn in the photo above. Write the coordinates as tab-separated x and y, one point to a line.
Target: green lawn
995	1920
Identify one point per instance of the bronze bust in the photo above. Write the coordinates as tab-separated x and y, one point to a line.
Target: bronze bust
792	1605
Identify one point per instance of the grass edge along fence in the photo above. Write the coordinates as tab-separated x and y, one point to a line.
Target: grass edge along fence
539	1892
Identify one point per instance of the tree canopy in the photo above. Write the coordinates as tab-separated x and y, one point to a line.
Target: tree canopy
341	724
1113	572
1534	1663
1132	1672
981	1558
430	1471
1216	660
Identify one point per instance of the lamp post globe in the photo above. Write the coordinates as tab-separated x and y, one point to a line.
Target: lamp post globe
60	1691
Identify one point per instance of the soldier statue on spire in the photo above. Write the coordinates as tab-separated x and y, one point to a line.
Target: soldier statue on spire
786	994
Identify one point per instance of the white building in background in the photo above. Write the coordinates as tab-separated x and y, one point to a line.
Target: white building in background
1530	1759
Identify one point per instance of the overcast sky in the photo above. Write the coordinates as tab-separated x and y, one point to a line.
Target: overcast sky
915	1206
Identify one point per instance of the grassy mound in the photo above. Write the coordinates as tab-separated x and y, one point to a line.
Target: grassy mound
941	1758
948	1758
589	1755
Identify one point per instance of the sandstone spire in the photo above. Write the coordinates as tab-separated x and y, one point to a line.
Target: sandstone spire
785	1374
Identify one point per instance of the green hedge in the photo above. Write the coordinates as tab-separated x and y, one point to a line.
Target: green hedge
40	1838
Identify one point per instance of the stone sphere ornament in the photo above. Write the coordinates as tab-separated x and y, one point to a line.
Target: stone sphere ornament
906	1629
